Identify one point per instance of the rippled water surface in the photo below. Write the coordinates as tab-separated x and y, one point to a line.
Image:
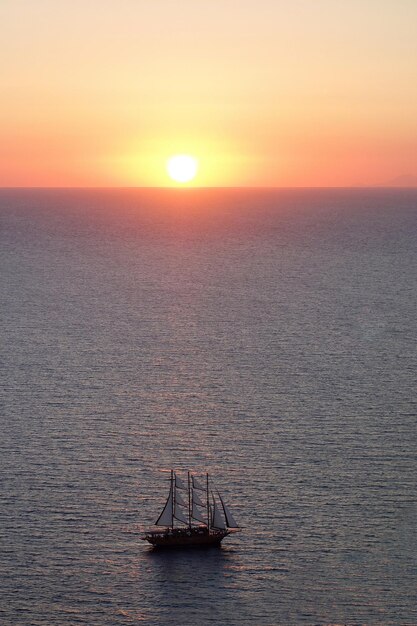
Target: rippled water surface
267	336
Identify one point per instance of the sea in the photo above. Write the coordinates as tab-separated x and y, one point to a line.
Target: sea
266	336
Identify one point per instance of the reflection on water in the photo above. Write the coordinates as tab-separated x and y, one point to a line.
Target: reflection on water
195	584
266	337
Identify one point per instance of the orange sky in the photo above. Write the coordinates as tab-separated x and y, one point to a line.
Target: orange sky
263	92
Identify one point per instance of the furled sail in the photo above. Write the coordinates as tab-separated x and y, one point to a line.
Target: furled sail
198	485
165	519
217	520
230	521
198	515
197	499
179	515
179	483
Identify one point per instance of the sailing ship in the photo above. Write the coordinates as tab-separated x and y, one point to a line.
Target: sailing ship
194	515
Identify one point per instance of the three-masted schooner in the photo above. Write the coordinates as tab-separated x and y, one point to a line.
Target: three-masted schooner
194	515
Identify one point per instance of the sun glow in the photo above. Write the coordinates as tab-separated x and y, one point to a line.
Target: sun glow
182	168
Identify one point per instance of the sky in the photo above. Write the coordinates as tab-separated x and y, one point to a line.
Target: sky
262	92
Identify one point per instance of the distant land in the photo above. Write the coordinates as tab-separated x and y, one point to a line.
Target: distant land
401	181
405	180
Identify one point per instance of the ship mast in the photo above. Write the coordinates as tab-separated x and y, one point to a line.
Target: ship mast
173	497
208	503
189	500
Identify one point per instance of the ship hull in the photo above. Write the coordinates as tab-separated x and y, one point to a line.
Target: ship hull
185	538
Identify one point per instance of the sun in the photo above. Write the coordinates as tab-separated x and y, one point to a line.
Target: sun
182	167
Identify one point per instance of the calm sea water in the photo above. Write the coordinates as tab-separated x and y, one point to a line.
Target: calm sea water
266	336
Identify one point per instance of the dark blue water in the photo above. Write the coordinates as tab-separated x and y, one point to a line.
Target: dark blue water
266	336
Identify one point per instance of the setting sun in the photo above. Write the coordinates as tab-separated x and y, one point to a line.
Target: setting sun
182	167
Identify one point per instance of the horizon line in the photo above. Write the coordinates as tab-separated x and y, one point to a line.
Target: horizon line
200	188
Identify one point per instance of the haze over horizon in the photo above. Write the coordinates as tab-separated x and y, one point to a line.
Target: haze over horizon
264	94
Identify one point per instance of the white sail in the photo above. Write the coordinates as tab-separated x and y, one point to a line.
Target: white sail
198	515
179	483
230	520
179	500
198	485
197	499
217	520
179	515
165	519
